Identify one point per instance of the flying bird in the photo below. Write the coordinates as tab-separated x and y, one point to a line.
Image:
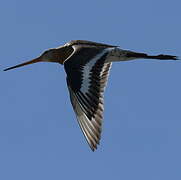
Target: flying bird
87	65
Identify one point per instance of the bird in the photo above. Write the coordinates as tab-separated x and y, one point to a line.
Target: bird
87	65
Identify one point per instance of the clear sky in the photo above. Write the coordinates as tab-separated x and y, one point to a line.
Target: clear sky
39	135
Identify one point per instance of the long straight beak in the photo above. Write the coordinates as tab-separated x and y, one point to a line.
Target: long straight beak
26	63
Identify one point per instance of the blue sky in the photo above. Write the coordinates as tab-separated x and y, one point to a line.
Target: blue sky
39	135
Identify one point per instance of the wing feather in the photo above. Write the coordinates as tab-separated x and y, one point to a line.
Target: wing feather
89	105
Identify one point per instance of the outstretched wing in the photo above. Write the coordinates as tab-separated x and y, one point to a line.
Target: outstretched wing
86	79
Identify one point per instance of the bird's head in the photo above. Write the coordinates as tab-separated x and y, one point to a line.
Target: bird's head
58	55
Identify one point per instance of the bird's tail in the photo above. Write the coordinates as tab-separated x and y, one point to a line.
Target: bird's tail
145	56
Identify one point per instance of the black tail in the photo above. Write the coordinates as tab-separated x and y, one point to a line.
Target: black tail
145	56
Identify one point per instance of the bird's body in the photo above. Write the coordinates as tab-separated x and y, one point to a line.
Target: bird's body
87	65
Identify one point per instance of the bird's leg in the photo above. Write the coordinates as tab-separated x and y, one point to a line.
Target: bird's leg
116	54
145	56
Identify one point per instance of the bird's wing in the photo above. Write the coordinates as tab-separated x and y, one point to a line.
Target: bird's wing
86	83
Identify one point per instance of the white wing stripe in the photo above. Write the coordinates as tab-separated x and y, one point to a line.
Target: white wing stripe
86	71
